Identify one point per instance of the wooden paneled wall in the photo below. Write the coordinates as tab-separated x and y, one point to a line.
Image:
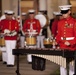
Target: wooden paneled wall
73	2
28	4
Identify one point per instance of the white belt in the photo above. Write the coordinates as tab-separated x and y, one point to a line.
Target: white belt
67	38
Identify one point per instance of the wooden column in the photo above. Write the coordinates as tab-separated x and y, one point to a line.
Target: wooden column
42	5
14	6
36	5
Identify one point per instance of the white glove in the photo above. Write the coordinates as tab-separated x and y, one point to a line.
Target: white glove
8	34
14	33
67	43
6	31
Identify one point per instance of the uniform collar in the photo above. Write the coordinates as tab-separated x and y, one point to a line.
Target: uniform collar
31	19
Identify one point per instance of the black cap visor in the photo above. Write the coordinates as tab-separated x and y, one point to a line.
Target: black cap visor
64	11
9	14
31	12
5	13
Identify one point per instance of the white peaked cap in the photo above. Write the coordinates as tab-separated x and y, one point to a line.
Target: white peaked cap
23	13
65	7
57	13
10	12
31	11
